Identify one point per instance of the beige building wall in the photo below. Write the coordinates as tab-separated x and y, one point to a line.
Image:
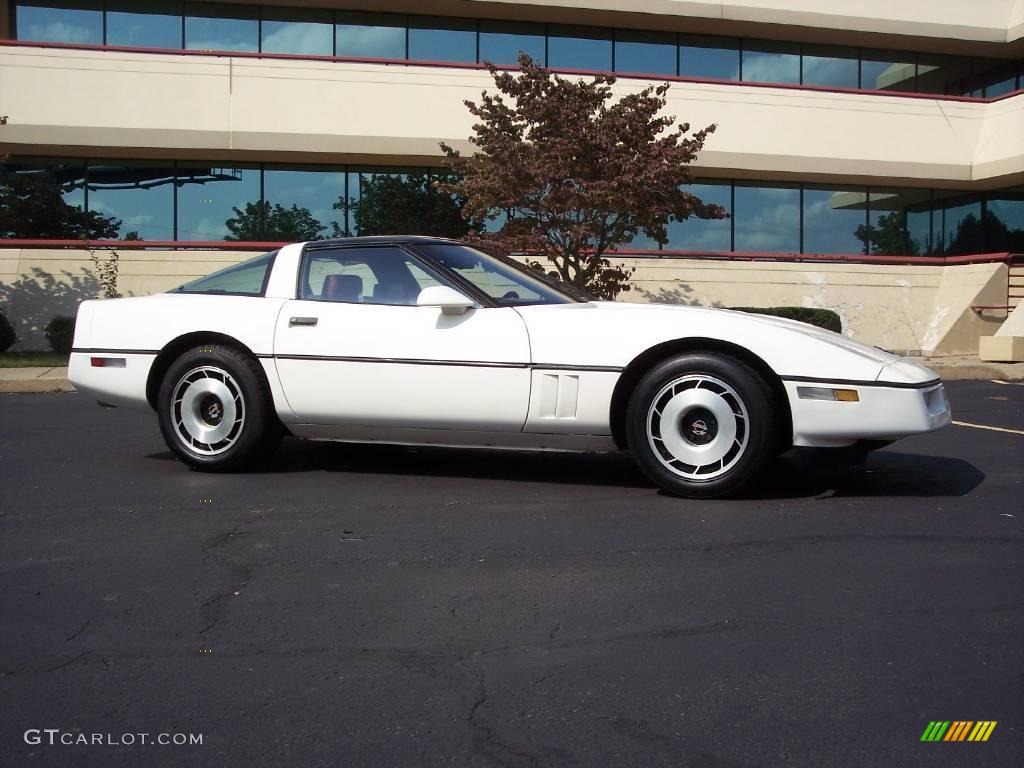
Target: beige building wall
908	309
173	106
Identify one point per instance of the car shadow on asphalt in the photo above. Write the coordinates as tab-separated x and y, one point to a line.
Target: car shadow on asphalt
792	476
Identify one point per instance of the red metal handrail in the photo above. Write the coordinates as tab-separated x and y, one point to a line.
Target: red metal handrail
476	66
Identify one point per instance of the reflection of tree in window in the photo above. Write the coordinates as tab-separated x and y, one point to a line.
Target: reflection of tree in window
33	205
273	223
208	196
407	204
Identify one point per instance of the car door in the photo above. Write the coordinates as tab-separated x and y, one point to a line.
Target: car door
354	349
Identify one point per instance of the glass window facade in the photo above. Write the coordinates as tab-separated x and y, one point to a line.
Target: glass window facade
144	25
833	219
766	218
580	48
370	35
309	33
140	195
705	234
434	39
830	66
767	62
648	52
359	34
501	42
192	201
716	58
218	203
60	22
211	27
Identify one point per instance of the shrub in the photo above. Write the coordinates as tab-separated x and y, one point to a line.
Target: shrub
60	332
823	318
7	334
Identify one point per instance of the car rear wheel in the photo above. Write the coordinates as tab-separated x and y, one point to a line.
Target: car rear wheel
700	425
215	409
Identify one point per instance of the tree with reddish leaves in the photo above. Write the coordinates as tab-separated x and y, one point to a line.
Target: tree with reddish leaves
576	172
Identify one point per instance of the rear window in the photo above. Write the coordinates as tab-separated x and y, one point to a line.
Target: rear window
246	279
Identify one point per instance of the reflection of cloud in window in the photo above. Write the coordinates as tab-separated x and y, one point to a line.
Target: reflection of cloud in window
828	230
770	68
770	228
825	71
58	31
380	42
313	39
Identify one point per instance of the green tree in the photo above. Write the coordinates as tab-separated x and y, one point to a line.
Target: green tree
575	171
274	223
32	206
409	204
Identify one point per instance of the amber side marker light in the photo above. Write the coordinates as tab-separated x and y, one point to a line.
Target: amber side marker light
827	393
108	362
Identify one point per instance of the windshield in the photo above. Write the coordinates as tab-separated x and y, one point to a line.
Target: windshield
246	279
507	282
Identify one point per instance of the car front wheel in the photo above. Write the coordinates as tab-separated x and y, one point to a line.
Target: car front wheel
700	425
216	411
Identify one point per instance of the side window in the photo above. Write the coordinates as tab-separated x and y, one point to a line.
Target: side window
363	275
246	279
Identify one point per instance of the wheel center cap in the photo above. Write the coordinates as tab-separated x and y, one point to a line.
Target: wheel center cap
699	426
212	411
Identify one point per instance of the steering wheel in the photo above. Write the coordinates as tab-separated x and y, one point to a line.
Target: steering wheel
511	295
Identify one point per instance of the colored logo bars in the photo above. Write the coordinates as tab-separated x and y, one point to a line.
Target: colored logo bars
958	730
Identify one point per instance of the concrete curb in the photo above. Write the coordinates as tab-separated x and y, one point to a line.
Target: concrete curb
14	380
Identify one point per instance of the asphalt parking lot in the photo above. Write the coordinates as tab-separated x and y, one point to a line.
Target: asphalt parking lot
378	606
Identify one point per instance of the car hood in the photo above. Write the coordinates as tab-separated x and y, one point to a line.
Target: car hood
614	333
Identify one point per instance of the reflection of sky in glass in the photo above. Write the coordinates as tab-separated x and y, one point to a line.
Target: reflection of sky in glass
715	58
1010	211
767	63
437	40
703	234
578	48
919	224
501	43
639	52
298	37
887	71
317	191
831	218
60	25
767	219
203	208
143	30
836	67
205	34
149	212
370	35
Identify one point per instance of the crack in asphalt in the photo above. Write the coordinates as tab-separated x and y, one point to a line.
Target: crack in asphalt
80	630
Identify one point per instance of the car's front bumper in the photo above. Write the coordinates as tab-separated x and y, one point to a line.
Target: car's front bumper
882	412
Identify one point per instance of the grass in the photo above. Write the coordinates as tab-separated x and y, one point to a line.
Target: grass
32	360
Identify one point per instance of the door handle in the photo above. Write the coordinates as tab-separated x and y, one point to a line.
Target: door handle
293	321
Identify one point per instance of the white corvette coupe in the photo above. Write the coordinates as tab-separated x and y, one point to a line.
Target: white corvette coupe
429	341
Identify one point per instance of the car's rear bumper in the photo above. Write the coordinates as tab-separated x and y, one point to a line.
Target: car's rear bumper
119	380
882	412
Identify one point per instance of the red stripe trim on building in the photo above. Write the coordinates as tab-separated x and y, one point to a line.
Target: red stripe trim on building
639	253
474	66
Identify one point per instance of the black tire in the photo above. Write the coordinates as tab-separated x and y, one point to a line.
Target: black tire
196	389
672	425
